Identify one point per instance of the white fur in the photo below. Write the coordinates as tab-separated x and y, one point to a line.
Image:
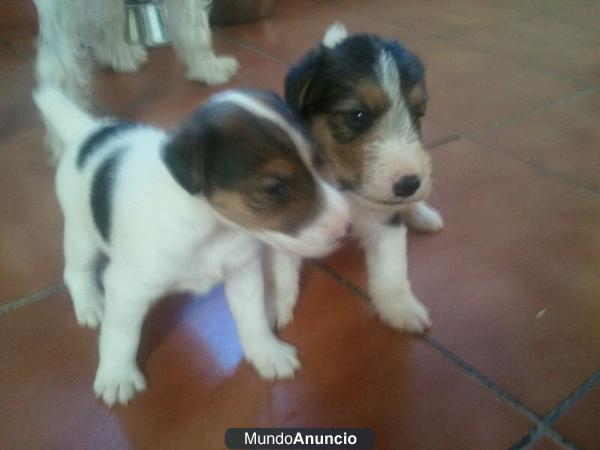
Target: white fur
162	239
76	34
335	34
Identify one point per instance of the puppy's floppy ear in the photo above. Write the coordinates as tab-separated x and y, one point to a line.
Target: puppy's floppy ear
417	95
414	71
299	80
184	156
417	98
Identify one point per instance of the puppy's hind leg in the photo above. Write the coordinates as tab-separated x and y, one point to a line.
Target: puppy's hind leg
190	32
111	49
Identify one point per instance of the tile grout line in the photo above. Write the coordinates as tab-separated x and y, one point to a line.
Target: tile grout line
518	63
223	35
561	178
541	423
558	411
31	298
445	140
472	372
538	110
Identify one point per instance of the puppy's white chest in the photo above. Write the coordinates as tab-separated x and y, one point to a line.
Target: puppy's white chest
208	265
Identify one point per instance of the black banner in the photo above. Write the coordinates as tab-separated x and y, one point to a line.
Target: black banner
299	438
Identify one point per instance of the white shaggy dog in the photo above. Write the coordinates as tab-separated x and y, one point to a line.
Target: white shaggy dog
184	211
362	98
76	34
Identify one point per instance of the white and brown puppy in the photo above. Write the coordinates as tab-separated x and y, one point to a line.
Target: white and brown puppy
362	98
184	211
75	35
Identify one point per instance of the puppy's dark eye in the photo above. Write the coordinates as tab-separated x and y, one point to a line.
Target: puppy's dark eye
420	111
359	120
276	189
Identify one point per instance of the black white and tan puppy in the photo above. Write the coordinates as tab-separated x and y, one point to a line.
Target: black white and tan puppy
362	98
184	211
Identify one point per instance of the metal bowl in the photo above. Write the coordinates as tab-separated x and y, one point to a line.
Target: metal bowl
229	12
145	23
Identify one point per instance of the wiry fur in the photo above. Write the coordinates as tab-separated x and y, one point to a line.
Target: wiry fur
163	236
75	35
336	83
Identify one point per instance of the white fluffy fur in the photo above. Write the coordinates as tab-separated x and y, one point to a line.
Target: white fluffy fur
75	34
335	34
163	239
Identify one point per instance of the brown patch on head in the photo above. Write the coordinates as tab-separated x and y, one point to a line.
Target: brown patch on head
247	167
344	132
372	96
346	159
417	99
276	197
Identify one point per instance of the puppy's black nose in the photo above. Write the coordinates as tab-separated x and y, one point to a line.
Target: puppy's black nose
407	186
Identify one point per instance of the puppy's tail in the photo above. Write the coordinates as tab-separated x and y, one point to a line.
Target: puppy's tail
66	122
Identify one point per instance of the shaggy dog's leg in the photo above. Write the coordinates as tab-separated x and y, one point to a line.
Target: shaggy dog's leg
190	32
111	49
62	61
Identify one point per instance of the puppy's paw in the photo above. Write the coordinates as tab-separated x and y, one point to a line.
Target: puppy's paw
89	314
274	359
118	384
216	70
408	315
424	218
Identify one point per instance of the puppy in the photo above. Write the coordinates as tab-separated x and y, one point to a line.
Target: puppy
76	34
184	211
362	98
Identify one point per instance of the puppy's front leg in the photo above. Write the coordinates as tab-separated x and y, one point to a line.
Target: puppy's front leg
282	274
388	281
118	377
271	357
422	217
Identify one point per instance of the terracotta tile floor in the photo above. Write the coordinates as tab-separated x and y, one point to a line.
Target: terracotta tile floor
513	282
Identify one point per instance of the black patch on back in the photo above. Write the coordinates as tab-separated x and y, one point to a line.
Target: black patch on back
395	220
100	137
102	192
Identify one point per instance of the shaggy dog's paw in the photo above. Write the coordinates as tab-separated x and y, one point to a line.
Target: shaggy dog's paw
216	70
124	58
